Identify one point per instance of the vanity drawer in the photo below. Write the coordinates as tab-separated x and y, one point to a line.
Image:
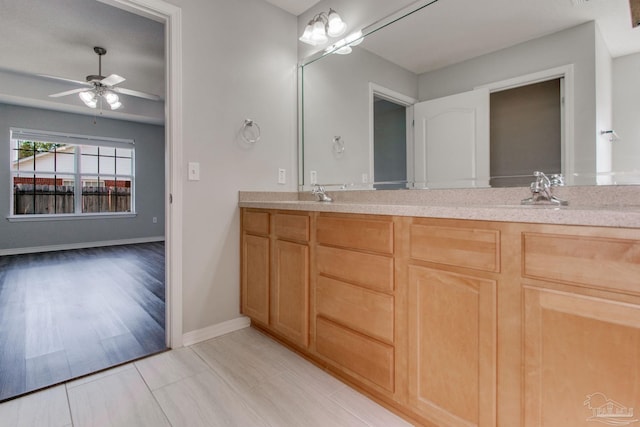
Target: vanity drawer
256	222
461	247
291	226
600	262
360	309
374	235
368	358
368	270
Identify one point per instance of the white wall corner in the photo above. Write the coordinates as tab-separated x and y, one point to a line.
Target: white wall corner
213	331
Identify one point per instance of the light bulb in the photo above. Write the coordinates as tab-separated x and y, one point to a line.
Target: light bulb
91	104
87	97
336	25
318	35
111	97
306	36
115	105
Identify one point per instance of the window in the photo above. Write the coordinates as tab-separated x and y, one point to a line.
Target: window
59	174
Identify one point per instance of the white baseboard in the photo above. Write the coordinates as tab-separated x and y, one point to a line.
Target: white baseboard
20	251
199	335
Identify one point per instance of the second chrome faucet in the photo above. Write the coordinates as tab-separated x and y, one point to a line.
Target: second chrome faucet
542	190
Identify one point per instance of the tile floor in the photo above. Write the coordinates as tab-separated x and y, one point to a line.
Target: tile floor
240	379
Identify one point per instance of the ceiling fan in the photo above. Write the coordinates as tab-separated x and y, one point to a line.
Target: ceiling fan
97	87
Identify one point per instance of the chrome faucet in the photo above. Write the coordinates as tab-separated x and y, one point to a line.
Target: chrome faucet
321	196
542	190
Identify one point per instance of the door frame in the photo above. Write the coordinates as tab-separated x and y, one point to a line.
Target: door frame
400	99
567	144
171	17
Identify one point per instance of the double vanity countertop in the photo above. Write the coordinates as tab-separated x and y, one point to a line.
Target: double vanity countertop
608	206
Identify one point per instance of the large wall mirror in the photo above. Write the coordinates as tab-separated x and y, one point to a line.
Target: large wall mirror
446	94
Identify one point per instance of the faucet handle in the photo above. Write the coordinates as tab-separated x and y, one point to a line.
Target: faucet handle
556	180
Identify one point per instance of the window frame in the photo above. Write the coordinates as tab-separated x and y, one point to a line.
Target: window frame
20	134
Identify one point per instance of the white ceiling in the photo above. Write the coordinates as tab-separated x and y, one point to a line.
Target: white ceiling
56	37
295	7
450	31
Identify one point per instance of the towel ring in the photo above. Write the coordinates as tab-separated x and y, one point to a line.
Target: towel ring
250	131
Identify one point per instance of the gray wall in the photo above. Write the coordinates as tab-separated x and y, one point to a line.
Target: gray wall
149	181
239	61
575	46
626	111
336	103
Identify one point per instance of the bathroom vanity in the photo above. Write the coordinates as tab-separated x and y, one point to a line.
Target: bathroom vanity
455	315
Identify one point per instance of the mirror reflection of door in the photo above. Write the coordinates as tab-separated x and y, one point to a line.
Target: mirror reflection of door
526	133
389	144
452	141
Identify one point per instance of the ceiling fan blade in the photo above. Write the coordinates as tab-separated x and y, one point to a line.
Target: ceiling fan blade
112	80
137	93
78	82
68	92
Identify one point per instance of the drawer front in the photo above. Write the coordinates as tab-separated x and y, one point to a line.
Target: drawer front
461	247
365	357
358	308
371	271
294	227
369	235
255	222
607	263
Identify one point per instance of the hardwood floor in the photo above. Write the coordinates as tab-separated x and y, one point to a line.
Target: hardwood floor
65	314
240	379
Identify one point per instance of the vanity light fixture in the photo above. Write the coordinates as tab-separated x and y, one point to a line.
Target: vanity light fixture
323	25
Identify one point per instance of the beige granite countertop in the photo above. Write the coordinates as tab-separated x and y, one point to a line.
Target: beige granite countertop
612	206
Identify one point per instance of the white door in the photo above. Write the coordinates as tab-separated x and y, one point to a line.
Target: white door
452	141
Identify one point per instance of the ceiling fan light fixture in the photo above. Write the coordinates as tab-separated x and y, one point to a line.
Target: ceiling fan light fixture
115	105
87	97
110	97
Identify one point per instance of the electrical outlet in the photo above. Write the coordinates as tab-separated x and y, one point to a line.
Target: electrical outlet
365	178
155	219
282	176
313	177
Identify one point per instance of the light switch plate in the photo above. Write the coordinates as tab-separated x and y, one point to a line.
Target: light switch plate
282	176
194	171
313	177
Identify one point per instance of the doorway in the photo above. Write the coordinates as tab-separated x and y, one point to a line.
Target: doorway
389	144
390	139
525	132
169	15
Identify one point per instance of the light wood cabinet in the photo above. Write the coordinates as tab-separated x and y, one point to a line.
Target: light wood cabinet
452	321
581	327
582	359
275	272
290	291
455	322
256	266
354	304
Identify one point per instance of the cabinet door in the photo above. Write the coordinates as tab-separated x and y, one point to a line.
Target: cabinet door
452	347
582	360
255	277
290	291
